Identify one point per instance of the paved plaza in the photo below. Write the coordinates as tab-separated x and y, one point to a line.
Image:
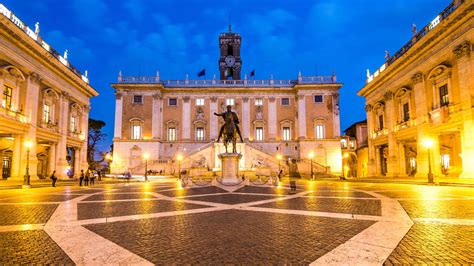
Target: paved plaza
325	222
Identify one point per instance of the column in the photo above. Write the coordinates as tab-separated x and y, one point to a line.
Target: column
402	159
462	53
118	116
301	116
213	130
391	120
156	117
31	113
16	158
52	158
245	118
83	164
336	119
371	163
61	151
421	110
272	118
78	161
186	119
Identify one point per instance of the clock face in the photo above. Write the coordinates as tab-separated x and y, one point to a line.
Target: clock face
229	60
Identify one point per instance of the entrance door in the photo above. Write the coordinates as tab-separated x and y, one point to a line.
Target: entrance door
42	166
6	165
383	159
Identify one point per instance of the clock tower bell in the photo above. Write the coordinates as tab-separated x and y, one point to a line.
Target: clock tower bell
230	63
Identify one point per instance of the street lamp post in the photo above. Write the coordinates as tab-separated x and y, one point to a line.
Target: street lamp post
311	156
26	179
179	157
428	144
146	156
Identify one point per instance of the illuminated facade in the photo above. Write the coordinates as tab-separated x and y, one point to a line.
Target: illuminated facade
425	91
355	150
44	101
163	118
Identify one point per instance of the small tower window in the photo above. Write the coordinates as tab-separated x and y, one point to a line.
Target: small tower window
230	50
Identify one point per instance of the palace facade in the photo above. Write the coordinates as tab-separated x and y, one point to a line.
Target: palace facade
155	120
420	102
44	105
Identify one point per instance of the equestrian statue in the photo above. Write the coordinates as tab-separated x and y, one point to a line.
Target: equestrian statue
230	129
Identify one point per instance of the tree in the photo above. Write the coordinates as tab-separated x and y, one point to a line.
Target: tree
95	136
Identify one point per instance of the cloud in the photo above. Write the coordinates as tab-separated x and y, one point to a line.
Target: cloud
78	52
89	12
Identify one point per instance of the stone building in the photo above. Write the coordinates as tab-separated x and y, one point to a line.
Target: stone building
425	91
278	119
44	102
355	150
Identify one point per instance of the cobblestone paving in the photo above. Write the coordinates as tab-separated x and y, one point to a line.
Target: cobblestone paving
26	214
458	209
30	247
41	198
115	196
264	190
232	198
231	237
192	191
366	207
435	244
418	194
112	209
355	194
137	188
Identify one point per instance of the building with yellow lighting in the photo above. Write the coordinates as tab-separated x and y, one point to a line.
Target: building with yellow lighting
44	105
425	91
279	120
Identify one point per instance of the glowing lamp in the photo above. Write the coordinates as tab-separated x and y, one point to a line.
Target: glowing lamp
428	143
146	156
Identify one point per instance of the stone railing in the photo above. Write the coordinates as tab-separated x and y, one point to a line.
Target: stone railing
405	124
13	114
380	132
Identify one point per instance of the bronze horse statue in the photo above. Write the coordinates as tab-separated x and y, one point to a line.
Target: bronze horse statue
230	130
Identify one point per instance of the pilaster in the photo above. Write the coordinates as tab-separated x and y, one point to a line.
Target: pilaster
272	118
156	116
118	116
301	117
335	114
186	118
245	117
213	119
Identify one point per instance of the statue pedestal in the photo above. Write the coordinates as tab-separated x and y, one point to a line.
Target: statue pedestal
230	168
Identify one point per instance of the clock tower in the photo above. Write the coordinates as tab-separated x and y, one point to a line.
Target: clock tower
230	63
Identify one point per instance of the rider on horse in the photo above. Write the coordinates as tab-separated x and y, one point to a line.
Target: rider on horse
233	117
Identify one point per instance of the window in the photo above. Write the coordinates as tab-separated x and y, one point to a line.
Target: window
443	95
258	101
343	143
285	101
46	113
171	134
380	122
200	133
229	102
352	144
136	131
200	102
319	129
137	99
7	97
318	98
286	133
73	124
406	112
259	133
172	102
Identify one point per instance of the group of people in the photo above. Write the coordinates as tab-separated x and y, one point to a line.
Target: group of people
87	178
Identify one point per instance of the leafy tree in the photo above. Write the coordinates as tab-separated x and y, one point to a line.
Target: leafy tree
95	136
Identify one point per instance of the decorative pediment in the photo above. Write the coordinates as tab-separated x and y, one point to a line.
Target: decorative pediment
171	123
14	72
439	71
379	105
136	119
404	91
320	119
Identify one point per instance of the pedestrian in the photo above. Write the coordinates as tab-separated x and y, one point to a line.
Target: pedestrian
54	178
86	178
99	175
92	178
81	178
293	174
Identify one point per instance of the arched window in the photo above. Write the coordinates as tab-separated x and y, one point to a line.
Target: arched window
74	119
286	127
172	130
259	130
48	108
10	87
440	78
136	126
319	124
404	107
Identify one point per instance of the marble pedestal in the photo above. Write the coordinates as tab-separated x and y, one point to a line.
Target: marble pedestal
230	168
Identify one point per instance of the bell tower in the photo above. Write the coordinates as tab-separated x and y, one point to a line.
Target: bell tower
230	63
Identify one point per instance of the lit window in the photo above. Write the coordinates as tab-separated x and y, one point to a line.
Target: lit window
319	131
137	99
406	112
200	134
136	131
443	95
171	134
172	102
318	98
352	144
229	102
285	101
286	133
380	122
259	133
259	102
46	113
73	124
200	102
343	143
7	97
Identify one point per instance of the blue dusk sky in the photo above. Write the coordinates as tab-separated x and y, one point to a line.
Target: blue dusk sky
279	37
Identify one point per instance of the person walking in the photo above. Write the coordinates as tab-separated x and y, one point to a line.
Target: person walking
99	175
81	178
54	178
92	179
86	178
